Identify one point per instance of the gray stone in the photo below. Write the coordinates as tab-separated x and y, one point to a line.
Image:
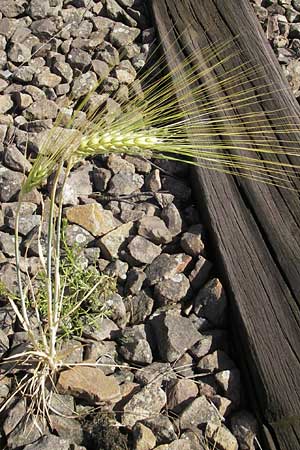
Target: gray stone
26	432
62	404
143	438
115	304
84	84
166	266
38	10
102	328
41	109
143	251
195	438
117	269
111	243
211	303
66	428
4	343
7	243
104	353
79	58
13	416
64	70
148	402
134	281
209	342
90	384
152	181
76	235
244	427
12	8
172	218
174	334
199	412
15	160
191	241
23	100
162	427
44	28
101	178
117	164
141	164
110	85
139	307
44	78
134	346
230	383
220	437
49	442
6	103
172	290
223	405
7	314
107	53
154	229
10	184
8	26
101	68
19	53
125	72
179	393
125	184
184	365
200	273
115	12
215	362
156	372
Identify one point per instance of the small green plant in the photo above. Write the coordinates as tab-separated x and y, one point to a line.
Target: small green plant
67	296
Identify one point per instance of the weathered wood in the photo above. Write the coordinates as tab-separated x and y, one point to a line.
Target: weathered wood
255	228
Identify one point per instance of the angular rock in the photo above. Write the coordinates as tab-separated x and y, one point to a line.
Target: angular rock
244	427
79	59
172	218
66	428
7	243
172	290
211	303
117	164
12	8
125	72
220	436
223	405
174	334
104	353
134	281
44	78
19	53
93	218
101	178
49	442
152	181
6	103
122	35
115	12
179	393
108	53
26	432
90	384
209	342
8	276
166	266
154	229
41	109
198	413
200	274
76	235
230	383
143	251
191	241
118	269
215	362
102	328
15	160
125	184
156	372
84	84
110	243
139	307
134	346
148	402
143	438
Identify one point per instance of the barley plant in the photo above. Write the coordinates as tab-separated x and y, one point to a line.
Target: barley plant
149	123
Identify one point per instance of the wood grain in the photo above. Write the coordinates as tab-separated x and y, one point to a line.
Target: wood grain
254	228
